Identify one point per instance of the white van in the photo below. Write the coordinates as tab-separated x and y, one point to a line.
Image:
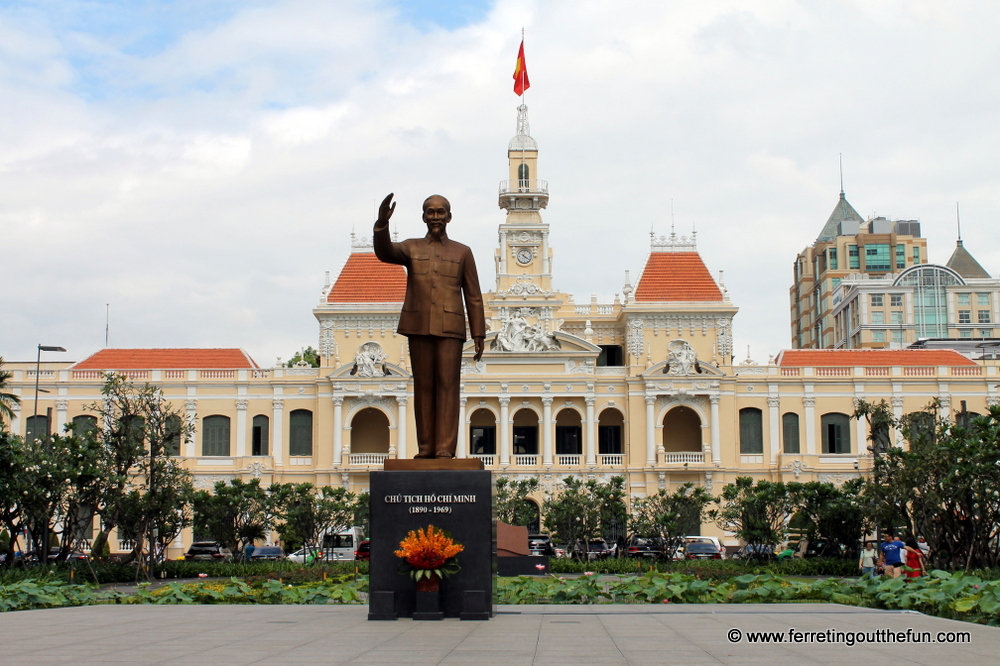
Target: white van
341	545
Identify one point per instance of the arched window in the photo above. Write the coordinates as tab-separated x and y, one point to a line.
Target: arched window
790	432
682	430
37	427
930	298
260	435
172	443
370	431
135	426
525	433
534	522
215	435
836	433
569	434
751	430
84	424
483	433
300	433
522	176
609	432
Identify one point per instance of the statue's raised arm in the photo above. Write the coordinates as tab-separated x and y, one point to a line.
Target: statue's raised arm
385	212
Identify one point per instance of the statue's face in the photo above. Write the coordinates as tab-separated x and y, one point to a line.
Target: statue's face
437	215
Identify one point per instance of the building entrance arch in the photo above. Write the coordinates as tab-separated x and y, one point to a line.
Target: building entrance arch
370	431
682	430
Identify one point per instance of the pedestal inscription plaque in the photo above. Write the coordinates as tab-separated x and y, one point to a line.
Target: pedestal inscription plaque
460	502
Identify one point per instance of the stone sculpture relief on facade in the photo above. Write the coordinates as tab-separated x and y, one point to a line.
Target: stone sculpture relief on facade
369	361
517	335
681	359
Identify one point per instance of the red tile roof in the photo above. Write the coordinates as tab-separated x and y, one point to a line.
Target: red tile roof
165	359
676	276
812	358
365	279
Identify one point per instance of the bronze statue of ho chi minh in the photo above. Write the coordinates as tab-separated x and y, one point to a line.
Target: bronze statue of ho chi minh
440	274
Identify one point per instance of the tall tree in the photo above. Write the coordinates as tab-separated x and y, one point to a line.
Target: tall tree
830	517
586	510
944	486
756	513
7	400
236	513
308	513
308	354
669	517
512	500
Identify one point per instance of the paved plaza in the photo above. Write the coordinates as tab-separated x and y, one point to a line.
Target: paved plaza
681	634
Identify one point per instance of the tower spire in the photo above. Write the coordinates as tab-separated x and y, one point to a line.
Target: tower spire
841	175
958	221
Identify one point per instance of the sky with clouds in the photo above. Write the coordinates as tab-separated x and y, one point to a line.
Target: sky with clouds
199	164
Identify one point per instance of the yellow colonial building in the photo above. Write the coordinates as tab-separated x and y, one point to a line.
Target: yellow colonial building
645	387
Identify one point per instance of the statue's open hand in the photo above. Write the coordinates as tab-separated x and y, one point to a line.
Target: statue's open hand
480	347
385	211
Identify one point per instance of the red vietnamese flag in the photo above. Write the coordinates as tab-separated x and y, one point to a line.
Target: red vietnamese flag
521	82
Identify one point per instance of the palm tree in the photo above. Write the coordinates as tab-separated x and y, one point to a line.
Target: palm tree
6	399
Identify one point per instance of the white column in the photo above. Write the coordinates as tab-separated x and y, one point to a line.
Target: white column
650	431
773	418
897	413
62	407
810	409
401	426
191	405
716	429
591	432
504	250
547	430
462	451
338	430
504	427
545	252
278	430
945	403
15	423
241	426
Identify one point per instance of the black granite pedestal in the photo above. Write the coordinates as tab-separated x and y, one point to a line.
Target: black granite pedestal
460	502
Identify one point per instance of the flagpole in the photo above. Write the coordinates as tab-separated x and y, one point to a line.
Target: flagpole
524	69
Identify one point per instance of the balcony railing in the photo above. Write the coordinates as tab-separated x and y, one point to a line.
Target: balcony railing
488	460
367	458
612	459
526	461
569	460
684	457
524	187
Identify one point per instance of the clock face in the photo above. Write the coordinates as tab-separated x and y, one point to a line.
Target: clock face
524	256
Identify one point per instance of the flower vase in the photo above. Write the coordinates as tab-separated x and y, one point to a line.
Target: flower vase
428	599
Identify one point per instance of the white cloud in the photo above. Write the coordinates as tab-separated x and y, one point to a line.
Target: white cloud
204	190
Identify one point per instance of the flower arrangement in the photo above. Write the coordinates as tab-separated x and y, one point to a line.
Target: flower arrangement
429	553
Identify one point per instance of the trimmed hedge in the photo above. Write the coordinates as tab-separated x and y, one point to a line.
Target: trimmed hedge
709	569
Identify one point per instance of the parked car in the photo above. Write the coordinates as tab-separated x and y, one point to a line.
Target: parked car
313	554
364	551
208	551
755	552
541	544
598	549
702	550
707	539
267	553
643	547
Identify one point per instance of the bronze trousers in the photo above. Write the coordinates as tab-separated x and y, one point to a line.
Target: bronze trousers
436	363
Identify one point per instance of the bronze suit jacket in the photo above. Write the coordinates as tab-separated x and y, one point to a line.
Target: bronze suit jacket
438	276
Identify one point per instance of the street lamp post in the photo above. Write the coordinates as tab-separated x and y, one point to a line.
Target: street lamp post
34	435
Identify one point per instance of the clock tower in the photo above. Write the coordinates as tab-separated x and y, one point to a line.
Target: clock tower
523	260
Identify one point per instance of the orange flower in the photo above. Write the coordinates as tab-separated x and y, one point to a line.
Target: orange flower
429	549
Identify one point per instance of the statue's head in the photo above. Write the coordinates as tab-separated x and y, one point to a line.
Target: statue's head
437	214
